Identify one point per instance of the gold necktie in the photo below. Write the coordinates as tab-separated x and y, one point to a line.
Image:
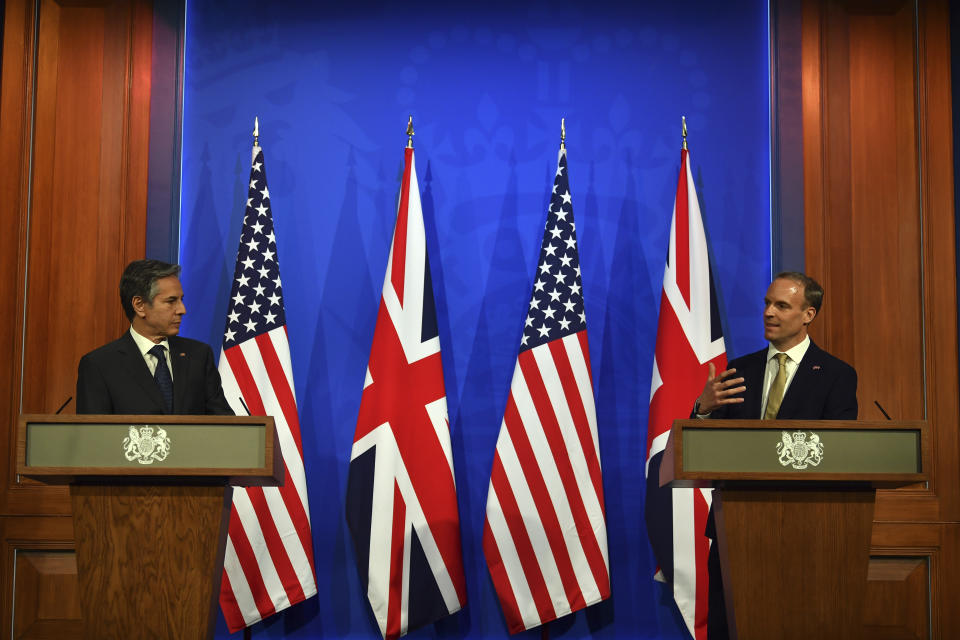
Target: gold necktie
775	397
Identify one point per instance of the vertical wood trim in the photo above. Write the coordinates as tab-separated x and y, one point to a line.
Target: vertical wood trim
939	250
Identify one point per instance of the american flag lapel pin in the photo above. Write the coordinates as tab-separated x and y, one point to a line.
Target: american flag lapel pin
816	367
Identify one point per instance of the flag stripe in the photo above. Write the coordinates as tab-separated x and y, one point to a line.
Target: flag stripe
278	384
534	471
249	569
287	512
682	222
242	598
246	385
398	253
521	543
702	549
293	491
271	536
578	387
502	582
580	425
581	545
396	564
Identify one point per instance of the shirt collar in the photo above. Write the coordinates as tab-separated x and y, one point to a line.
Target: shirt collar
145	344
794	353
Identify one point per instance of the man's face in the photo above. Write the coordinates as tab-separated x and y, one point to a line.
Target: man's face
160	317
786	314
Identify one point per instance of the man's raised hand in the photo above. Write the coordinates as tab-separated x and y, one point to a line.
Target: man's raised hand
719	390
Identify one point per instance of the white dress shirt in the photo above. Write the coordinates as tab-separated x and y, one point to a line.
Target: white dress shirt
145	344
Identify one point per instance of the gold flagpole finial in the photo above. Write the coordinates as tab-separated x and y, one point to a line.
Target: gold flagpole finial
683	121
256	131
410	132
563	133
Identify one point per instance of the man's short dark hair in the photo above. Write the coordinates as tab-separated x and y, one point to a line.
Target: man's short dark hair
140	279
812	291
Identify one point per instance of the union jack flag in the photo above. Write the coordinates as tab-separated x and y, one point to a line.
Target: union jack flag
689	338
268	563
545	536
401	498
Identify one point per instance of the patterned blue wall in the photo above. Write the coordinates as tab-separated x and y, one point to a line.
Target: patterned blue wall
487	85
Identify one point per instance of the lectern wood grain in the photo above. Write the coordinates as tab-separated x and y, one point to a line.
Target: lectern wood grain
147	557
819	542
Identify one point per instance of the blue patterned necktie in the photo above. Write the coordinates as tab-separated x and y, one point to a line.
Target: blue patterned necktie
162	376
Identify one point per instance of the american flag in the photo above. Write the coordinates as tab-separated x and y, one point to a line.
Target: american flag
545	536
268	564
689	337
401	503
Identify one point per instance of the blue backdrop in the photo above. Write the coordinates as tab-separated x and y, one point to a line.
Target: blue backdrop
487	85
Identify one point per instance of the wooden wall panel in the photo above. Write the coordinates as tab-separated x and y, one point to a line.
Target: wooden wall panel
75	98
48	596
897	599
89	175
47	545
880	229
82	71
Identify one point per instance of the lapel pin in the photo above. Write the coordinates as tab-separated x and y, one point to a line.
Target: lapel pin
816	367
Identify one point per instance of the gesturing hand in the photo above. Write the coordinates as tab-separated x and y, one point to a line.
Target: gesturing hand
720	390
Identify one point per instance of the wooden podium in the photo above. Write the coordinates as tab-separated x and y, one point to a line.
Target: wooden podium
793	505
151	499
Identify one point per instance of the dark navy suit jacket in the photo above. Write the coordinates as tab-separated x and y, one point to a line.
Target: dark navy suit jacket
115	379
823	388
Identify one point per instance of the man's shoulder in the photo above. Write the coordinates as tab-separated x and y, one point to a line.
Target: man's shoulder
819	357
748	359
110	349
179	343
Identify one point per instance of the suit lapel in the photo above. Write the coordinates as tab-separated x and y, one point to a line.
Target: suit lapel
798	390
181	362
751	371
132	360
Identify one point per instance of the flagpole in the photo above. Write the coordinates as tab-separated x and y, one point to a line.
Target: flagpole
410	132
683	123
563	134
256	138
247	634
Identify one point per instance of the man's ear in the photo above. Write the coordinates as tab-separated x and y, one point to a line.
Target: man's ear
809	314
138	303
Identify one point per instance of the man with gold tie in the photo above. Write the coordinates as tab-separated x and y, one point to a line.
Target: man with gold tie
791	379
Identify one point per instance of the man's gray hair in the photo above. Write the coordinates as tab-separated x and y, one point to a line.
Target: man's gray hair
140	279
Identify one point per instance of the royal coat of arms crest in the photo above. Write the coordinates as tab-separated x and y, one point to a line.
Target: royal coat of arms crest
799	452
144	447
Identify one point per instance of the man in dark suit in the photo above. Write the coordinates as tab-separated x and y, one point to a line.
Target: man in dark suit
791	379
150	370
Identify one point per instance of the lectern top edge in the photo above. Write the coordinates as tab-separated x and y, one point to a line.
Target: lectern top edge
804	453
149	449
